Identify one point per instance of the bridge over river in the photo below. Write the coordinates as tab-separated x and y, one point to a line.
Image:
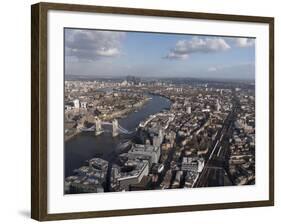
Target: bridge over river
100	126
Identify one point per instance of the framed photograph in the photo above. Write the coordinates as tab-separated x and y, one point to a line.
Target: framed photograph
139	111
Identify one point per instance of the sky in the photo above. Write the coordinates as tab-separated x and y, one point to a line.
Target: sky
115	53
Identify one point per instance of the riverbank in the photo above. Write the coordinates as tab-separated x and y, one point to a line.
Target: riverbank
117	115
127	111
68	137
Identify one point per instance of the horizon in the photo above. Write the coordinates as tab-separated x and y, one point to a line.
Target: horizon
71	77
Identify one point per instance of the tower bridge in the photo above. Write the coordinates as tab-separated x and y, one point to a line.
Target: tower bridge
99	127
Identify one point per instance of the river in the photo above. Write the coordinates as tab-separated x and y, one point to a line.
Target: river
86	145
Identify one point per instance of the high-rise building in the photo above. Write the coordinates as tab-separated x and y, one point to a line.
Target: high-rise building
188	109
157	140
133	79
160	136
218	105
76	104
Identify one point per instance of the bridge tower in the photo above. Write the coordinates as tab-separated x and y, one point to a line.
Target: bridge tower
115	128
98	127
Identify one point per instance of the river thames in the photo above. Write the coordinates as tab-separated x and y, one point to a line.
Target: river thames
86	145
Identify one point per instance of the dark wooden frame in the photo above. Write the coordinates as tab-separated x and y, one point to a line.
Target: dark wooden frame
39	110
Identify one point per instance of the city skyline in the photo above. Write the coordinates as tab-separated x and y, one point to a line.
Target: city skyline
127	135
114	53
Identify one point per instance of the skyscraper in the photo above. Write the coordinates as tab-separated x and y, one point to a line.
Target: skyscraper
76	104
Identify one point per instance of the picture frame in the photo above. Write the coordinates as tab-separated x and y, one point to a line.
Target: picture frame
40	101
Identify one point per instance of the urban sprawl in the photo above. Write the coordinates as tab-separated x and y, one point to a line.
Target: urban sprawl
206	138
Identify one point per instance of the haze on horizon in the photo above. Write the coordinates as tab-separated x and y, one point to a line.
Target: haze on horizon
142	54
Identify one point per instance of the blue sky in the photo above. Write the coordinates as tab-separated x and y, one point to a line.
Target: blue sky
112	53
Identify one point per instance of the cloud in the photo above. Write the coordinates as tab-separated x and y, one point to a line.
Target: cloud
212	69
184	48
89	45
244	42
174	55
242	71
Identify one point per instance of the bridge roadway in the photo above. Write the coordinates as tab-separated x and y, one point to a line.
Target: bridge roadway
120	128
215	171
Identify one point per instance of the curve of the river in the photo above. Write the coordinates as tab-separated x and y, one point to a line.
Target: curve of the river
86	146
